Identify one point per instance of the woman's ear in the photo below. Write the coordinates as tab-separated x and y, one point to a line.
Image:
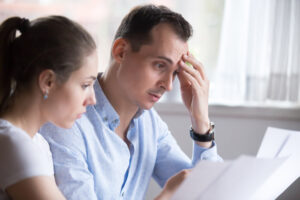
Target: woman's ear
119	48
46	80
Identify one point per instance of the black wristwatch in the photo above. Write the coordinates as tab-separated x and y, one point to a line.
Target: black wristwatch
209	136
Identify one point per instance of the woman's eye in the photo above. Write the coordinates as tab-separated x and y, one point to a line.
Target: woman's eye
84	86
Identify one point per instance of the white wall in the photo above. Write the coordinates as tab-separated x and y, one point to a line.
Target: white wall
239	130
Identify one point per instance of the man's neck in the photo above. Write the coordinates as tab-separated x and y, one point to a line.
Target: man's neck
125	109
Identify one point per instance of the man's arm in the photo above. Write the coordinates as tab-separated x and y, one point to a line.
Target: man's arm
70	162
172	185
171	159
194	87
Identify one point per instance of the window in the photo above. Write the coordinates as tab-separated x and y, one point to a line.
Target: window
259	59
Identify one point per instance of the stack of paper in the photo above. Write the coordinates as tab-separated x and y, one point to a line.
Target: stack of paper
280	143
266	176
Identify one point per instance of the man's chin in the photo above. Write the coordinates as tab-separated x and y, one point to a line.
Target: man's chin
146	106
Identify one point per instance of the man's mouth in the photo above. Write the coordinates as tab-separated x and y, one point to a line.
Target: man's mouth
154	96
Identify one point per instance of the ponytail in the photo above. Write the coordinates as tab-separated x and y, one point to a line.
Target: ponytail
8	30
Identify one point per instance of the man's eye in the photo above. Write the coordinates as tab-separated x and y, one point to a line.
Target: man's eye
160	65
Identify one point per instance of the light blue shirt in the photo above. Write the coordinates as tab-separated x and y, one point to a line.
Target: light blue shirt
92	162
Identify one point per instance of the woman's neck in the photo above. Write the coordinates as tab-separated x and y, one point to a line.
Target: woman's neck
25	114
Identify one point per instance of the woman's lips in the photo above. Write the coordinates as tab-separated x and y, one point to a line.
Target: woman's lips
79	115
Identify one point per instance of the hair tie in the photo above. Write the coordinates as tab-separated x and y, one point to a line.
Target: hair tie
24	25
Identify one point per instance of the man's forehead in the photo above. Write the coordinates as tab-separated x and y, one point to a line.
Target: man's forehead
172	54
171	49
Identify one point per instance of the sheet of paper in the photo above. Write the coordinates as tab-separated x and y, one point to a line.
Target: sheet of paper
290	171
280	180
266	176
200	178
292	145
274	140
244	177
239	179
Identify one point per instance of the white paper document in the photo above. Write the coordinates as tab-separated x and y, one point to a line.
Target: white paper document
266	176
279	143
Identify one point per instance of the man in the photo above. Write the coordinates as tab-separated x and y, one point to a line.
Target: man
120	143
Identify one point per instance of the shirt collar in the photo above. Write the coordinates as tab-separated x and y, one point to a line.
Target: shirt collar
138	113
103	106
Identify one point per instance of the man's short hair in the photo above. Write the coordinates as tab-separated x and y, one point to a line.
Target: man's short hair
138	23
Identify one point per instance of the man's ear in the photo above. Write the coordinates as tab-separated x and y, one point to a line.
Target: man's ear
119	48
46	80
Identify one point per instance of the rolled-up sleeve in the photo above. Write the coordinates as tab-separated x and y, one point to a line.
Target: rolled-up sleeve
201	153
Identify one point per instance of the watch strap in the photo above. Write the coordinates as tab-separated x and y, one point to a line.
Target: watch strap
209	136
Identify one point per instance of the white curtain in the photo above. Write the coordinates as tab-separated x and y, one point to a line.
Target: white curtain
259	57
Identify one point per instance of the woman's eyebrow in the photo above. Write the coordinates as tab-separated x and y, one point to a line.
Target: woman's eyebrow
91	77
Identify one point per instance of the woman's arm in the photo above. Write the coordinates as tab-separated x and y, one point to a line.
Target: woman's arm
35	188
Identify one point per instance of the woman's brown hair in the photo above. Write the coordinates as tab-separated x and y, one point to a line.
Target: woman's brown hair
53	42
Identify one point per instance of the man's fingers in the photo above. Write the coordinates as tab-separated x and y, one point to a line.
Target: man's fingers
192	71
195	63
182	79
193	82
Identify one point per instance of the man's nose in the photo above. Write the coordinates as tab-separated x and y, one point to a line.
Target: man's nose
167	82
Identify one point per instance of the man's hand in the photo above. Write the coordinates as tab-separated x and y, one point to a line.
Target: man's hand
194	91
172	185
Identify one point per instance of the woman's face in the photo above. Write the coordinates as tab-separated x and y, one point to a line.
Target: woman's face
68	101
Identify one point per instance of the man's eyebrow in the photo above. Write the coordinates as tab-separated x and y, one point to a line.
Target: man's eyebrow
165	58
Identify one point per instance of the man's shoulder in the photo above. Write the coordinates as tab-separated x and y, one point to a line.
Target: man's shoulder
151	114
82	128
51	128
52	132
152	118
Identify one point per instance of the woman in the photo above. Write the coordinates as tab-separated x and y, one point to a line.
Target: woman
46	75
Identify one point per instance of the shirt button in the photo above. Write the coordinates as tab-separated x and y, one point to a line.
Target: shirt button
122	194
105	118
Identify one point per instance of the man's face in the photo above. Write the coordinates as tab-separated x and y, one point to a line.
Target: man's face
145	75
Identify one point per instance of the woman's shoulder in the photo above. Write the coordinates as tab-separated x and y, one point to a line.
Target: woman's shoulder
20	156
11	136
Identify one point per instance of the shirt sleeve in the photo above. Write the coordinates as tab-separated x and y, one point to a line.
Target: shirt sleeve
171	159
71	171
20	159
202	153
